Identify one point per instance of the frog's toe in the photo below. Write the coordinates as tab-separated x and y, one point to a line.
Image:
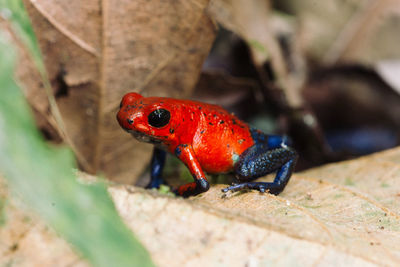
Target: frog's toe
234	188
259	186
224	190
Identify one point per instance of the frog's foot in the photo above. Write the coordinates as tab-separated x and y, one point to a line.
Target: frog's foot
191	189
272	188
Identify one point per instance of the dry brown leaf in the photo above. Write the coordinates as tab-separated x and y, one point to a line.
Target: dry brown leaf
339	214
95	51
237	95
253	21
351	31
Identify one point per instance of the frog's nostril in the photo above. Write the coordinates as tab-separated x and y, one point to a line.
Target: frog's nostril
130	121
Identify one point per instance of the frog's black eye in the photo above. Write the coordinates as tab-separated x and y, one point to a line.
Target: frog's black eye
159	117
120	104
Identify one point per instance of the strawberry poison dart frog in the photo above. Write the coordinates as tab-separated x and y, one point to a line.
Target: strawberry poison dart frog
206	138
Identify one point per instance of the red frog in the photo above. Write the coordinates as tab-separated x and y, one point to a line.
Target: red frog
206	138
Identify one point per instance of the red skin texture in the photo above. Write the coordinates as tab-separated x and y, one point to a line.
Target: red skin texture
212	138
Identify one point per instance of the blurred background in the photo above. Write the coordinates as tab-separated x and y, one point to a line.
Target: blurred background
325	73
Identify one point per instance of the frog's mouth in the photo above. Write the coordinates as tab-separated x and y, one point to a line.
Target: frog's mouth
144	137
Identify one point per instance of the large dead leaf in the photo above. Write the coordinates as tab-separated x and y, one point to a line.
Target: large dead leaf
26	241
339	214
353	31
253	20
95	51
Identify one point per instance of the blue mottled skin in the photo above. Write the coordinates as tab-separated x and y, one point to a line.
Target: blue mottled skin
271	153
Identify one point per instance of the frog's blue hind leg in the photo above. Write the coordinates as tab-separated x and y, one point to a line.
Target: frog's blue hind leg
271	141
156	167
277	141
260	160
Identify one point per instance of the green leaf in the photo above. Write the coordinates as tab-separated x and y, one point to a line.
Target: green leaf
42	176
14	11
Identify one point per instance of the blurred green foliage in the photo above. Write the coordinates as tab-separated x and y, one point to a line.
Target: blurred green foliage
14	11
42	176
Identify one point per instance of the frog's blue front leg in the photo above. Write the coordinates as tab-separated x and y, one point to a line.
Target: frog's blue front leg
156	168
262	159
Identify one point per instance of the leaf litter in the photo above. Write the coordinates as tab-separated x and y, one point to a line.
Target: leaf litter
149	46
318	219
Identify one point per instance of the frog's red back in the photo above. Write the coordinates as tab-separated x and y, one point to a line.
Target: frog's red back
217	137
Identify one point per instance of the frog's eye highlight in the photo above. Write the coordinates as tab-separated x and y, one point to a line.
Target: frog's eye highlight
159	117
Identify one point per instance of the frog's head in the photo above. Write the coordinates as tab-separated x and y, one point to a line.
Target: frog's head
147	119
